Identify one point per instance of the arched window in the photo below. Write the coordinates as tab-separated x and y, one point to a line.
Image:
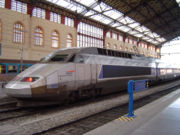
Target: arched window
55	39
38	36
115	47
69	41
108	46
18	33
0	30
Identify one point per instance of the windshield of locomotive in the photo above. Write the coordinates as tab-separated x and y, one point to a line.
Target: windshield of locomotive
54	58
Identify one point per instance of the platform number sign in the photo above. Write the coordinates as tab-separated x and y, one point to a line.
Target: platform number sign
0	49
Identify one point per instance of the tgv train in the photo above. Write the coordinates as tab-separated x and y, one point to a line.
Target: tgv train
78	72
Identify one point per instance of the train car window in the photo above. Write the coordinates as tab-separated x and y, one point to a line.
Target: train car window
126	55
104	51
46	58
113	54
109	53
71	59
101	51
116	54
122	54
130	56
59	57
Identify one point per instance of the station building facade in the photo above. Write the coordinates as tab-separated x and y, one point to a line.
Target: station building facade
28	32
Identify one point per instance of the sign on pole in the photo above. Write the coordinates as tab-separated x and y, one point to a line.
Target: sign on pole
0	49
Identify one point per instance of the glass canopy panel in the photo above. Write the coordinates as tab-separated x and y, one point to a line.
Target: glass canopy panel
122	20
97	17
133	25
86	2
116	24
155	42
129	20
113	14
138	35
178	2
132	32
145	38
77	9
106	20
105	14
161	39
144	29
102	7
155	35
62	3
139	28
124	28
90	13
151	35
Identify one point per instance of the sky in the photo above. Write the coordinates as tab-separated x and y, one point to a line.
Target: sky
170	52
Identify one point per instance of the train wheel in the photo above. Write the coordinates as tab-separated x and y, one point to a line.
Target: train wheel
73	96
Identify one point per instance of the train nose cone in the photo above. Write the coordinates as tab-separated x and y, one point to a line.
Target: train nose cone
18	90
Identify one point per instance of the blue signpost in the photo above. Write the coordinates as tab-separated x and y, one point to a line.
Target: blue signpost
135	86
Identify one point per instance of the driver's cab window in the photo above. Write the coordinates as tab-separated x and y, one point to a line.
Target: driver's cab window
79	59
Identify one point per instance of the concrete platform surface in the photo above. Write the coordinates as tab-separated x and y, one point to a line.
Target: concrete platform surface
161	117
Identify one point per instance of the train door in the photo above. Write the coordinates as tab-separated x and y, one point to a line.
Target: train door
83	75
93	74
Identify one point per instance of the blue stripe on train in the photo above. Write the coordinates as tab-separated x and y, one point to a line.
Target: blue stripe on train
101	73
110	71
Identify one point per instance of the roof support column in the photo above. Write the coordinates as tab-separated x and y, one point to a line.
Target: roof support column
8	4
47	14
104	36
76	22
29	9
62	19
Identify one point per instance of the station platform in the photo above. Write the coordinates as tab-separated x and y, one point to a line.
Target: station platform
161	117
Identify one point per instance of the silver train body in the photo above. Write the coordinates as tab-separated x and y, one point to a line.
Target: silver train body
78	72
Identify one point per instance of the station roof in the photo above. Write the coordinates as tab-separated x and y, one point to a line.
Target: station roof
154	21
160	16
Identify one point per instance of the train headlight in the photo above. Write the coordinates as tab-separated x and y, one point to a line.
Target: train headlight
29	79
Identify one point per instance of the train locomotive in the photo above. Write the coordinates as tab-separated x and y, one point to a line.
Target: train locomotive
71	73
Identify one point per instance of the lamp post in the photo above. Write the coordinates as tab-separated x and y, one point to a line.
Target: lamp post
21	57
22	51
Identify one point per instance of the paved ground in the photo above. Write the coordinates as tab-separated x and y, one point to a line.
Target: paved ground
160	117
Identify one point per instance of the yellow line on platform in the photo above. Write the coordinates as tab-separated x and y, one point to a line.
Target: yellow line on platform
126	119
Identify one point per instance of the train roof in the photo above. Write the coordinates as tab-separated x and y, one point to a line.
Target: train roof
102	51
